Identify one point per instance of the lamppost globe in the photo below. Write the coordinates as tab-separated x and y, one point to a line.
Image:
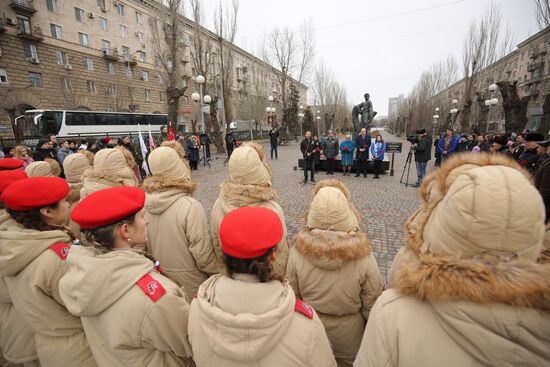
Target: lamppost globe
318	117
273	110
301	107
487	102
437	109
268	109
207	99
318	111
493	87
436	117
455	101
270	98
454	110
494	102
195	97
200	79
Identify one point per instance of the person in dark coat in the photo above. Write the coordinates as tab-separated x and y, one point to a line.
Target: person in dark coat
330	149
193	152
532	152
466	144
43	150
542	180
448	143
500	146
230	142
205	141
274	142
422	154
519	146
307	148
437	154
362	144
317	151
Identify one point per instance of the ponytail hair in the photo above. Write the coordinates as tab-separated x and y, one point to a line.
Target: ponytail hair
260	266
32	219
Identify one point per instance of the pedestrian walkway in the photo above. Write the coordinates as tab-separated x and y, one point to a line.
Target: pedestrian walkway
384	204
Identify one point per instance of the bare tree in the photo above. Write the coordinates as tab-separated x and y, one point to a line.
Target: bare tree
307	46
331	98
169	54
542	13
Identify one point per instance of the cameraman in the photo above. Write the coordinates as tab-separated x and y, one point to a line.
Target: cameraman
274	141
422	154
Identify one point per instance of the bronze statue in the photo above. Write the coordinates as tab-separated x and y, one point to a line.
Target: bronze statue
367	114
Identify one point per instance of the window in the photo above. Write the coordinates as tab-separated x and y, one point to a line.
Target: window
51	5
3	76
139	18
159	76
162	96
30	51
66	83
61	57
129	73
126	52
123	30
145	76
157	61
79	15
83	39
90	86
56	31
111	67
120	9
147	94
23	24
88	63
141	37
130	93
112	89
141	56
106	45
35	79
103	23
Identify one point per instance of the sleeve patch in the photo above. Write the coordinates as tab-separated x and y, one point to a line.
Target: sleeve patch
151	287
61	249
303	308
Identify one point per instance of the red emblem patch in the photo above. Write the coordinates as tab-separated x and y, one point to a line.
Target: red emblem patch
303	308
61	249
151	287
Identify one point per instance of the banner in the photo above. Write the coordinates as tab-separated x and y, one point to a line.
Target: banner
144	152
171	135
152	145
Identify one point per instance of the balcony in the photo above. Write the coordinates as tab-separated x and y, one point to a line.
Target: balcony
536	52
2	26
23	6
532	66
110	54
30	35
533	91
129	60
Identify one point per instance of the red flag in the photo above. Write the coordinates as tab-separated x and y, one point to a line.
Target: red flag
171	135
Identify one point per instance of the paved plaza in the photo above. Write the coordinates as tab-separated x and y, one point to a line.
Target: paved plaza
384	204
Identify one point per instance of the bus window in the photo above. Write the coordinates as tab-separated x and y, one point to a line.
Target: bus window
124	119
157	120
74	118
139	120
89	119
29	128
106	119
50	123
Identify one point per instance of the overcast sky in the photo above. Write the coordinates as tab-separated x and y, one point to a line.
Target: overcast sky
377	46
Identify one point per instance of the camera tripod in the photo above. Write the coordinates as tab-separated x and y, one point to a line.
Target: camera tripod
206	160
407	167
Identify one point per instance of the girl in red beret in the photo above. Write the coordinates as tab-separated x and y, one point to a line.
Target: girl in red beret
32	261
250	316
132	314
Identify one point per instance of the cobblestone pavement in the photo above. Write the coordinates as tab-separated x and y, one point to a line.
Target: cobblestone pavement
384	204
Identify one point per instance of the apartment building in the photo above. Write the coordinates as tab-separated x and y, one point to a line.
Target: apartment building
99	55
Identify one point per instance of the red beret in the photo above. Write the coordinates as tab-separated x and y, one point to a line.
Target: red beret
249	232
10	163
34	193
106	140
7	177
108	206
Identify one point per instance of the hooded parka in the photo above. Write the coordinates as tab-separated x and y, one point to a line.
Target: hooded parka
250	184
331	267
469	292
17	340
32	270
126	323
111	168
74	166
241	322
178	232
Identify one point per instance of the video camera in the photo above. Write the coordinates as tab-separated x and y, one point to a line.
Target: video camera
413	139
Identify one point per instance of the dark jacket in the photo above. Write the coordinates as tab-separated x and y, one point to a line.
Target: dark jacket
542	183
230	141
317	147
306	147
529	159
517	151
362	143
40	154
485	146
465	146
192	150
504	150
331	148
274	137
63	153
423	150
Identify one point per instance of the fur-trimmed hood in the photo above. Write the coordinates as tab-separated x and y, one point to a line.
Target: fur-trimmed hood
331	250
248	166
238	193
74	194
163	192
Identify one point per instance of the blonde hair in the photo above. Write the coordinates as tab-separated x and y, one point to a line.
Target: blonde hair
19	150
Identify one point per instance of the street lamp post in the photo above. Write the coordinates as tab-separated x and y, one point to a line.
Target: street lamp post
493	101
318	119
301	118
435	117
453	112
199	97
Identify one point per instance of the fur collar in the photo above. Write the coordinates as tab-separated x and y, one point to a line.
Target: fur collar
261	193
74	194
479	280
332	245
159	183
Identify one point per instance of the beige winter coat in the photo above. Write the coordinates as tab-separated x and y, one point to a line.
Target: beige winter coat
241	322
178	231
469	291
17	343
331	266
125	325
32	272
74	166
111	168
249	185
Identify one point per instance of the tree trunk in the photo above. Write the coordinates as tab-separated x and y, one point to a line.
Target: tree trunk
544	127
481	124
465	115
515	108
173	94
214	126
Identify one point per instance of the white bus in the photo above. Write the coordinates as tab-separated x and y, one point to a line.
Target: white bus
67	124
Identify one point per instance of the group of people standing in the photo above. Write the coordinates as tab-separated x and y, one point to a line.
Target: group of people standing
313	150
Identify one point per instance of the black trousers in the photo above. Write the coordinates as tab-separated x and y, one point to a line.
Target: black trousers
377	167
193	165
362	167
330	165
274	149
309	165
